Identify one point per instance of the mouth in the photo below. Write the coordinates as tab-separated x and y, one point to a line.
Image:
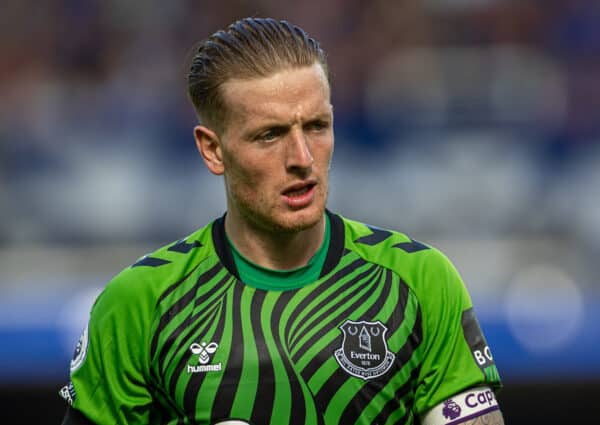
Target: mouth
298	190
299	195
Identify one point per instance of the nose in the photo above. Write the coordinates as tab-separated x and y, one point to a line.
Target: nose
298	154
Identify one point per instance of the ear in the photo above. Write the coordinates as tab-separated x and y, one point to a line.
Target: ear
209	146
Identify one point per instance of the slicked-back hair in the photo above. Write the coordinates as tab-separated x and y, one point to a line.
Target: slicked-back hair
249	48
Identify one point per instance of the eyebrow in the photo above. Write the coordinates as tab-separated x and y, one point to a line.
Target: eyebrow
273	122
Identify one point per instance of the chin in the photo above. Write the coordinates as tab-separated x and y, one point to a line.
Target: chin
297	221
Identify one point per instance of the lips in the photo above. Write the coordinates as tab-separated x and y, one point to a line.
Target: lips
299	195
298	189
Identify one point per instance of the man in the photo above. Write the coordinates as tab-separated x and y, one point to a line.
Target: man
280	312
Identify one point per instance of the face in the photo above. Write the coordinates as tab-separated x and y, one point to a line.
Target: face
275	150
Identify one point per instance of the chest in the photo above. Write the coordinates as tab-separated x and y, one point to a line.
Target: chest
338	351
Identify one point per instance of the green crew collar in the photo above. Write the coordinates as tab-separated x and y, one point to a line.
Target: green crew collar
280	280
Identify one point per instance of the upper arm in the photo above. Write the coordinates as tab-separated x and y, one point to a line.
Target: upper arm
109	372
456	356
474	406
493	418
75	417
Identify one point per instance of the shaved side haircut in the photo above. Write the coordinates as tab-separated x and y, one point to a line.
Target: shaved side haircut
249	48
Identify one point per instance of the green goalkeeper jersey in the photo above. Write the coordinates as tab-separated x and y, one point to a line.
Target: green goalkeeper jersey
385	333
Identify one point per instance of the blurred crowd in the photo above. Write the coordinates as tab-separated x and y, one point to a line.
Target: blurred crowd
456	117
473	125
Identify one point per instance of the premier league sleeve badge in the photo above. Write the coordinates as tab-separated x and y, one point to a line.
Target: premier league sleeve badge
80	351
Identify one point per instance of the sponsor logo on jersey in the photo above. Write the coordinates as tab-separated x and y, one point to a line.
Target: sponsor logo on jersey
364	352
80	351
475	339
204	352
68	393
232	422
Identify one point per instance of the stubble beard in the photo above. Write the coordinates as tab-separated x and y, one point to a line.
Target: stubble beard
272	221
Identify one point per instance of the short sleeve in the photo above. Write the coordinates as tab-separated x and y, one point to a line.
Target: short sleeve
109	370
456	355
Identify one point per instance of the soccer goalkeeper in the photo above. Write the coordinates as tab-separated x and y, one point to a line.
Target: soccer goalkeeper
280	311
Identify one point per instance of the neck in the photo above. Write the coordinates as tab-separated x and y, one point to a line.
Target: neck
275	250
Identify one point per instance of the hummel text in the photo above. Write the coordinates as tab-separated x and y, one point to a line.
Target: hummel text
204	368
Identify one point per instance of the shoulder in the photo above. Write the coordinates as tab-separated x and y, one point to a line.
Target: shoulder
139	286
393	249
425	269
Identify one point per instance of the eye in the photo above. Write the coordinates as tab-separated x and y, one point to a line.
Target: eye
270	134
317	125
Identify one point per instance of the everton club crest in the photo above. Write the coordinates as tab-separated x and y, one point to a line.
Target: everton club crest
364	352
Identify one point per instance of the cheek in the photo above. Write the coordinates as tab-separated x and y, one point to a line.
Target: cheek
247	177
235	168
324	153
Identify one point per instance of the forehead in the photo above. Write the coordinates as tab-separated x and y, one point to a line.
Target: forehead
290	92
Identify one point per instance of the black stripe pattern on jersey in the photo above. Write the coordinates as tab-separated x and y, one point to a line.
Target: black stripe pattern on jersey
277	347
150	262
181	303
231	376
377	236
183	247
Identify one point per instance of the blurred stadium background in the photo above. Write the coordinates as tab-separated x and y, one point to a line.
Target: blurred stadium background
473	125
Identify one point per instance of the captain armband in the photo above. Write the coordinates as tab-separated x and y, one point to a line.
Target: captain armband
462	407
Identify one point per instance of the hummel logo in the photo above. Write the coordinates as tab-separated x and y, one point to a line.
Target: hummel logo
204	351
